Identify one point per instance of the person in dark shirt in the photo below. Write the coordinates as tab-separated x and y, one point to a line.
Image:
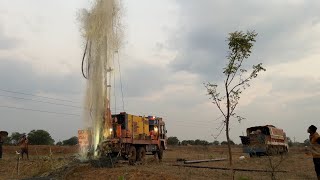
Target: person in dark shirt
1	142
315	148
3	135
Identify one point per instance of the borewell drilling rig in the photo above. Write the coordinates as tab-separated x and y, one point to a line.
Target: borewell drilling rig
107	136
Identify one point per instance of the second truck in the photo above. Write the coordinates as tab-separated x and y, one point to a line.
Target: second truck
266	139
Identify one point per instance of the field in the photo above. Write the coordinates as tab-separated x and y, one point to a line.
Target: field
58	162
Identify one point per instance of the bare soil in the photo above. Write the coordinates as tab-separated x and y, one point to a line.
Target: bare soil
61	165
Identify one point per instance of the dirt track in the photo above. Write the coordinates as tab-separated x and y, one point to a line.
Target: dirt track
41	164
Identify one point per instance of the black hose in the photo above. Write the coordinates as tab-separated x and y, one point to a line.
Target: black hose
84	55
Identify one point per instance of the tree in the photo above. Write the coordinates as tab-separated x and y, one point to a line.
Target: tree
173	141
216	143
70	142
226	142
240	45
197	142
7	141
201	142
290	143
59	143
15	137
186	142
40	137
306	142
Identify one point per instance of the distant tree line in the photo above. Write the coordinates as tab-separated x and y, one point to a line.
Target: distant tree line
175	141
39	137
295	144
68	142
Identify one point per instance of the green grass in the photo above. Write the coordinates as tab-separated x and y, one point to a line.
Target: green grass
121	178
243	178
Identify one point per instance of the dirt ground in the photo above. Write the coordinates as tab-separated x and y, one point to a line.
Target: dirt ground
43	161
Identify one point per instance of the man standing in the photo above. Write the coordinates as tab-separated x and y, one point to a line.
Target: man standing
23	142
3	135
315	148
1	142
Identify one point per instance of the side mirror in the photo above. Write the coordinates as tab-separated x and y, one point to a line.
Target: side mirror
166	131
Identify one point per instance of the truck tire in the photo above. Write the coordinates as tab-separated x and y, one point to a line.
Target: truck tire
141	154
132	155
160	153
154	153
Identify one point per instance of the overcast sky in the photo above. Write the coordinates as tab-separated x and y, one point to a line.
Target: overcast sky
170	49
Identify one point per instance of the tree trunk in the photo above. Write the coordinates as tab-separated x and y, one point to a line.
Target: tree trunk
227	130
229	148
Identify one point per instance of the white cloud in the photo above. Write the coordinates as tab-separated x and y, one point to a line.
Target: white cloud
170	48
49	34
306	67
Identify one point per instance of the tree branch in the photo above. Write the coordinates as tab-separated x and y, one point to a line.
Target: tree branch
234	107
212	91
219	107
222	127
236	71
241	83
218	118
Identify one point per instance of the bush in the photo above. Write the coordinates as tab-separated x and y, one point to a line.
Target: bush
70	142
40	137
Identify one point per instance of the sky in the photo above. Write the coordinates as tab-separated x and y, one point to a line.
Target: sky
170	48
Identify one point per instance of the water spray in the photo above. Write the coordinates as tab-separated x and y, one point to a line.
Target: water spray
101	29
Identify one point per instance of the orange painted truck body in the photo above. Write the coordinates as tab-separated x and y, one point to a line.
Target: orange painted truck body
129	133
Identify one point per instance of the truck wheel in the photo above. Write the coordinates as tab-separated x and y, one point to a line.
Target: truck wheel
160	153
154	153
132	155
141	154
284	151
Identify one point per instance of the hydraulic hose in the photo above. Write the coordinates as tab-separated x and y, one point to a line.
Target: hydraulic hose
84	55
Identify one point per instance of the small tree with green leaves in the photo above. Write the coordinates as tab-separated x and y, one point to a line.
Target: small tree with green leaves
237	78
173	140
15	137
40	137
70	142
226	142
216	143
59	143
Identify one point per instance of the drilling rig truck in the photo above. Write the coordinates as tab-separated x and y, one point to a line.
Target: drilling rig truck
130	137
